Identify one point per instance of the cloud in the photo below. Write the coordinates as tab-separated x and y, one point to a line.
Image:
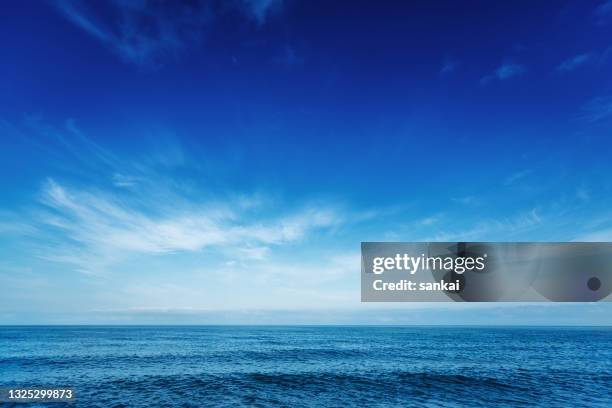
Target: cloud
598	109
101	224
583	194
122	180
429	221
574	62
466	200
509	70
603	12
141	33
68	150
504	72
147	33
488	230
604	9
289	58
10	227
516	177
98	208
449	66
260	9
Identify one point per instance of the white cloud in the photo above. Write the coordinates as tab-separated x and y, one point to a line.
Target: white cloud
604	9
429	221
597	109
583	194
149	33
516	177
140	33
97	223
491	229
509	70
10	226
260	9
122	180
573	63
466	200
504	72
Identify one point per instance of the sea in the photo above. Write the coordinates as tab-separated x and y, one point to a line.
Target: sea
312	366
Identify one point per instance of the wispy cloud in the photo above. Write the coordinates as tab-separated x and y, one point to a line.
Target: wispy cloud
504	72
466	200
516	177
573	63
9	226
73	152
603	12
260	9
583	194
141	33
487	230
122	180
597	109
431	220
102	224
289	58
604	8
148	33
99	208
449	65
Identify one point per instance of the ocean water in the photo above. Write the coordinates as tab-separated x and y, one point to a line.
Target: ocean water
313	366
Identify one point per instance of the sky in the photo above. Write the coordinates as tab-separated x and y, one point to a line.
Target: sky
221	161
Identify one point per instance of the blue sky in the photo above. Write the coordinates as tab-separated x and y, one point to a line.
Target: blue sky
227	158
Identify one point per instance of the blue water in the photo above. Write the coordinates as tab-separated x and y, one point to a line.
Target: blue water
313	366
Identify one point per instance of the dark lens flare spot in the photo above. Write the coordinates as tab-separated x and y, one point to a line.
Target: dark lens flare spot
594	284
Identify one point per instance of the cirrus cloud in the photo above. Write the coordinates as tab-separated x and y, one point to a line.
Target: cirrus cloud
148	34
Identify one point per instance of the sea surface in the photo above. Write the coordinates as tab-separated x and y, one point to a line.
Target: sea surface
313	366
